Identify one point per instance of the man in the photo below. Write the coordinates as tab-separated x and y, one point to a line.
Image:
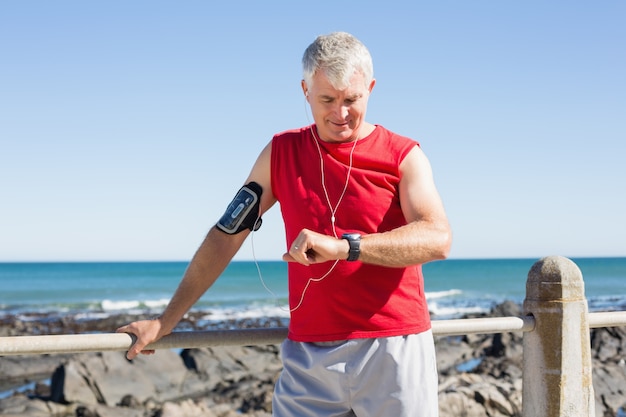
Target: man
361	214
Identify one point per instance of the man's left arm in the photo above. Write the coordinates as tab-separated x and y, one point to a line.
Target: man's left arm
427	235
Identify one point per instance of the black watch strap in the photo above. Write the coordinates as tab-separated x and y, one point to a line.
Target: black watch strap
354	240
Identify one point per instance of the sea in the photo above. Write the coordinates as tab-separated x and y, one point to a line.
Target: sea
249	289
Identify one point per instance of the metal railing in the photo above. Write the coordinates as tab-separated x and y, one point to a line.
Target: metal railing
75	343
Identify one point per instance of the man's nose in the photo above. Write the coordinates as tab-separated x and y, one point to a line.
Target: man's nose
342	111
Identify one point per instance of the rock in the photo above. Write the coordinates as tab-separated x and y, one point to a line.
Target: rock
19	370
478	395
507	309
608	343
21	405
82	411
610	388
455	404
451	352
241	375
186	408
129	401
68	385
106	411
237	361
496	400
107	377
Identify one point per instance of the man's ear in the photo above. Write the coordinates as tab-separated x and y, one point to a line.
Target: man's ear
305	89
371	86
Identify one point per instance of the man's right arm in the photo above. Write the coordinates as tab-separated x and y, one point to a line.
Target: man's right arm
208	263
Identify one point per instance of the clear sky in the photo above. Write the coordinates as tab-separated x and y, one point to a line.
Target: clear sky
126	127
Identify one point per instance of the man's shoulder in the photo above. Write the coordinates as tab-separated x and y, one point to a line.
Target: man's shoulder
291	133
394	138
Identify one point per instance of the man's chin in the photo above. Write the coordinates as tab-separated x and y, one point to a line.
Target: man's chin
342	136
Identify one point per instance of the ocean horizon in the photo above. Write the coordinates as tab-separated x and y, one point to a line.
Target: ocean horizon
249	289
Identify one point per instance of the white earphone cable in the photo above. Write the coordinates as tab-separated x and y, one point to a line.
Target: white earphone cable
333	211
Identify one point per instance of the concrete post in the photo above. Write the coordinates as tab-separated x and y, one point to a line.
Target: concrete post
557	354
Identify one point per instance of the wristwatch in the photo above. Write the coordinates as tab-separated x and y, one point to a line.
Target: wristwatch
354	240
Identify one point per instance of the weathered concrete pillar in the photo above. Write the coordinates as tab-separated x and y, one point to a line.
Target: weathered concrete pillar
557	353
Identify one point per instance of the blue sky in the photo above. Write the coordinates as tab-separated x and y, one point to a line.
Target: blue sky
127	127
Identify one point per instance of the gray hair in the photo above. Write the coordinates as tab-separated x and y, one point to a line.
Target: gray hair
339	55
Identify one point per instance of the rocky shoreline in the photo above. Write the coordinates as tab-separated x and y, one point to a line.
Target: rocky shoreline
479	375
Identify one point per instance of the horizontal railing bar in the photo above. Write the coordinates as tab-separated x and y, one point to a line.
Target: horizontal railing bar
64	343
100	342
607	319
483	325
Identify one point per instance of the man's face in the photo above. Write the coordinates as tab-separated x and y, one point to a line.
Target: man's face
338	114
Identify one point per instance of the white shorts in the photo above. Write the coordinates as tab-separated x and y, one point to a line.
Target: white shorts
393	376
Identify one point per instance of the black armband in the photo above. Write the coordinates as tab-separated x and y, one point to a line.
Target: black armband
243	212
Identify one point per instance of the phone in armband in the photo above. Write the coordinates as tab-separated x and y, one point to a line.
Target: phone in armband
243	212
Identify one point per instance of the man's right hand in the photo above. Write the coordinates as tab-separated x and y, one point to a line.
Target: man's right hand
146	332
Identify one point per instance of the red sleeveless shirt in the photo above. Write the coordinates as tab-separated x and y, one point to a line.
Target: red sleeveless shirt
355	300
